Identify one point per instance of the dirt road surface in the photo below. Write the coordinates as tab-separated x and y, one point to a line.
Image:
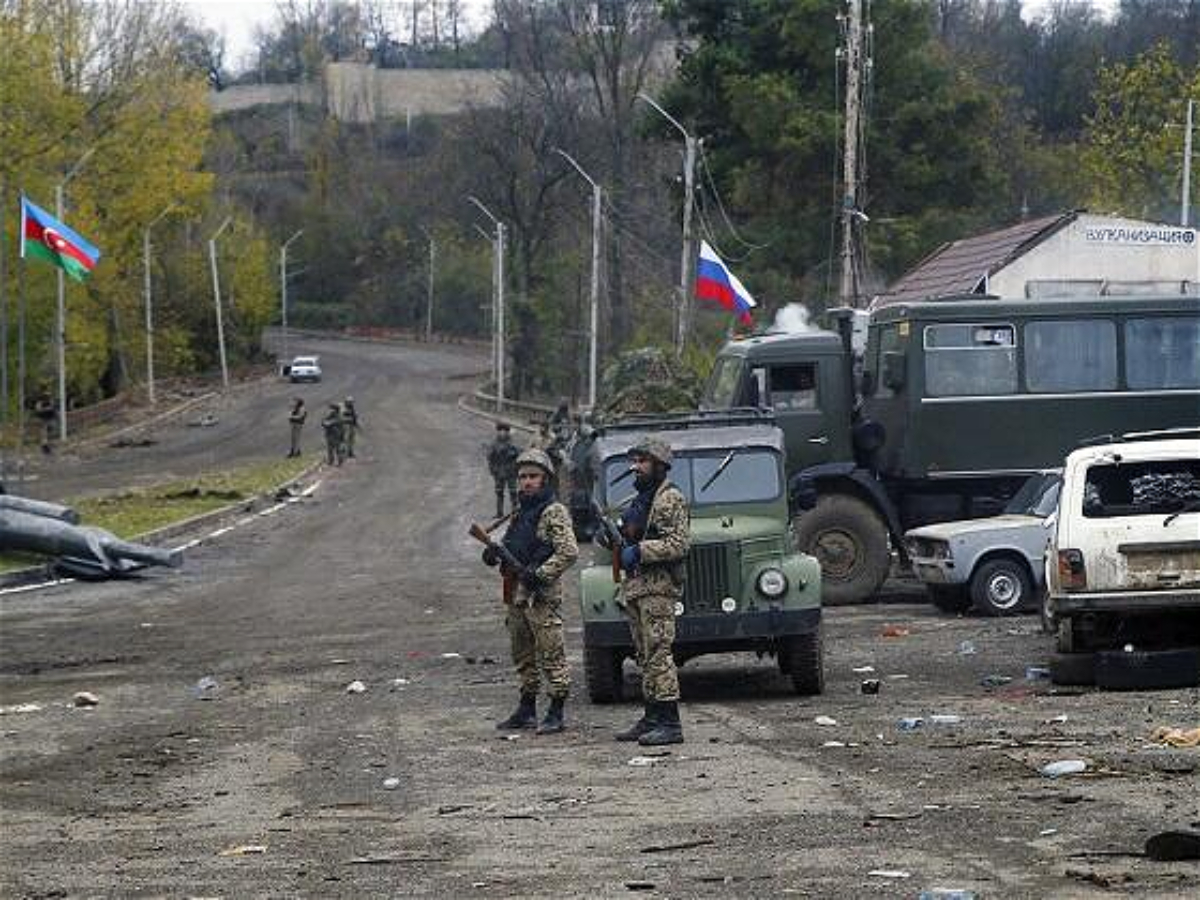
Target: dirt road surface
158	789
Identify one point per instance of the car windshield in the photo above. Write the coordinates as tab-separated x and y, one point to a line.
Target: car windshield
1038	496
720	391
749	475
304	361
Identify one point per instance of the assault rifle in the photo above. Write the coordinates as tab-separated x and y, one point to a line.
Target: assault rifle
510	567
610	537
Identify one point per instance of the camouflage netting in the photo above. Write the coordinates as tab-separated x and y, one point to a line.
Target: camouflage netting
647	381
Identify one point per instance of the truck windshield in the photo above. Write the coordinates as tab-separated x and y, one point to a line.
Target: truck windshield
1038	496
750	476
721	390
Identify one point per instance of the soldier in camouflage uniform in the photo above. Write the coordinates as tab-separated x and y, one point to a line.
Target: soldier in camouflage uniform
502	463
350	425
657	538
335	447
541	538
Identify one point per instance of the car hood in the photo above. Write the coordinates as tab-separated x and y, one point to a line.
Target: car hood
734	527
948	531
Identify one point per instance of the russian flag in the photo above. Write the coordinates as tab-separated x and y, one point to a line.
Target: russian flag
714	281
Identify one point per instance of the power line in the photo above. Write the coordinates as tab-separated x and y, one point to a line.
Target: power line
712	184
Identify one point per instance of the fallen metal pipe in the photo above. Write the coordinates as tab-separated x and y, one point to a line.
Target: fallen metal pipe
39	508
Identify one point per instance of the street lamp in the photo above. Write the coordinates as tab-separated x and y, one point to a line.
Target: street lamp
689	179
429	294
149	304
597	200
283	289
216	279
499	256
61	315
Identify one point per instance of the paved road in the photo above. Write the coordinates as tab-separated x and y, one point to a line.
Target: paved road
374	580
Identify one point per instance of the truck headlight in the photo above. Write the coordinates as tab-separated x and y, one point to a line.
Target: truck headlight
772	583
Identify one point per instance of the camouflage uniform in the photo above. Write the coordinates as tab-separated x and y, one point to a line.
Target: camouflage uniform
502	464
335	448
296	419
349	425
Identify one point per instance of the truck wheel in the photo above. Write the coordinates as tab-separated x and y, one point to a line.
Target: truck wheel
802	657
1073	669
850	542
1001	587
949	598
603	670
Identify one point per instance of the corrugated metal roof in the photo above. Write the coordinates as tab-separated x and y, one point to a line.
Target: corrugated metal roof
960	267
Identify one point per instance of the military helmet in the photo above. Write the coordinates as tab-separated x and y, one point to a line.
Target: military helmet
535	457
350	401
655	448
503	426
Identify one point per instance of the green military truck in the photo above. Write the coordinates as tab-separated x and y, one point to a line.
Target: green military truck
746	589
953	404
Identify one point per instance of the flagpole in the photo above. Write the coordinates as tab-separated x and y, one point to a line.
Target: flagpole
216	279
61	323
499	261
21	335
150	396
3	308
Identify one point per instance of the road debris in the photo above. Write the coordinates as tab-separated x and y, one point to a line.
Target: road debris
20	708
244	850
863	670
1063	767
896	874
945	719
946	894
85	699
1176	737
644	761
966	648
895	631
1037	673
205	687
390	784
683	845
356	687
995	681
825	721
870	686
910	723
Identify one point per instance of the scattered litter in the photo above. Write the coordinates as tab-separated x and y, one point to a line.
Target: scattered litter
910	723
640	885
995	681
833	744
897	677
356	687
205	687
487	661
390	784
1037	673
399	682
643	761
894	816
1177	737
452	808
863	670
338	661
20	708
393	860
1064	767
205	421
684	845
825	721
966	648
1057	720
1046	832
244	850
889	873
85	699
1173	846
946	894
451	655
944	719
870	686
895	631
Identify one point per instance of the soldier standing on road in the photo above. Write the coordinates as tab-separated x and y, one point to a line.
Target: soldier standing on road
296	419
349	425
335	447
541	538
44	411
657	538
502	463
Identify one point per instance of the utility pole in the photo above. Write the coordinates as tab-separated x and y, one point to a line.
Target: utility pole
283	290
60	324
495	345
594	317
499	260
216	280
1185	211
688	255
429	291
853	57
150	306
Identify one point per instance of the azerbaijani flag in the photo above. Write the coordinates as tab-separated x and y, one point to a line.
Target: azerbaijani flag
714	281
44	237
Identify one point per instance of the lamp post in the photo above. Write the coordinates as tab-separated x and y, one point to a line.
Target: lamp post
149	305
216	279
597	201
690	144
499	257
283	289
60	325
429	293
492	242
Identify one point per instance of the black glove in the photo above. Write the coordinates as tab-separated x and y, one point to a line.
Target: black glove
490	556
531	579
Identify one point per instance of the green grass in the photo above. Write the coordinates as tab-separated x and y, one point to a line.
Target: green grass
130	513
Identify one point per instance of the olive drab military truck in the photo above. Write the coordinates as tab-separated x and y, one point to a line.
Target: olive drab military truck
953	404
746	588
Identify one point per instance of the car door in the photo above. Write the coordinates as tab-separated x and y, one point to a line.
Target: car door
792	390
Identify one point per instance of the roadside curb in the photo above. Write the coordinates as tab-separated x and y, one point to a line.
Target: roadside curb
42	575
465	407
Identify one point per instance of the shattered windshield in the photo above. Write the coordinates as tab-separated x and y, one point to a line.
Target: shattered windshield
721	390
750	475
1038	496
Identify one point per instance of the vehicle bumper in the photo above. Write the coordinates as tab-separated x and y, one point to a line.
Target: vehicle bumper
1131	602
936	571
721	628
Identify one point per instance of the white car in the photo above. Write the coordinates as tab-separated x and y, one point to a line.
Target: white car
304	368
1126	542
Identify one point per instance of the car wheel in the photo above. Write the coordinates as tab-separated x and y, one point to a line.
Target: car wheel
603	670
949	598
802	657
1001	587
850	542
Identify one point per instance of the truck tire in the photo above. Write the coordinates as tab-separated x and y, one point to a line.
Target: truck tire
1001	587
1141	670
850	542
1073	669
603	670
802	657
949	598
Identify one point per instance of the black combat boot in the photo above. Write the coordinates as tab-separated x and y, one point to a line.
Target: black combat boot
524	716
667	729
642	726
553	721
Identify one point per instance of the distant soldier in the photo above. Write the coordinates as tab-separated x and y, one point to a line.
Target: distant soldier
502	463
560	423
296	420
335	446
541	539
349	425
44	411
657	539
